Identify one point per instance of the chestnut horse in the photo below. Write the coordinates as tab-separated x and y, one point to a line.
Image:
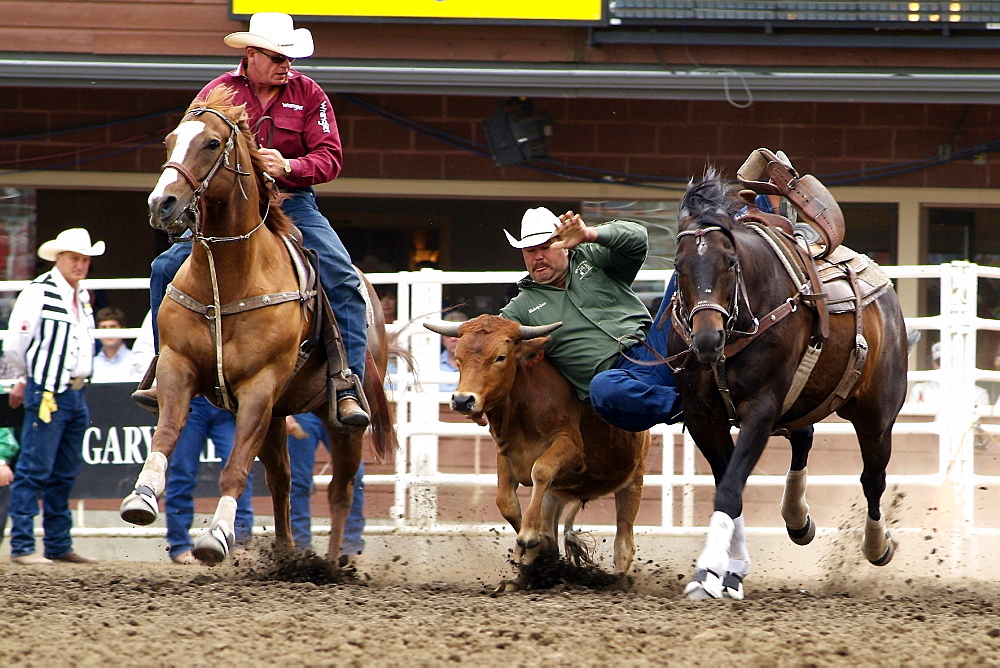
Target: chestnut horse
234	330
740	332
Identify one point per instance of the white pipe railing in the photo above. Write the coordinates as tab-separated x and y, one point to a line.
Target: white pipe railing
416	475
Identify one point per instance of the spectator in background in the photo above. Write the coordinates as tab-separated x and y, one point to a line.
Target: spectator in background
389	302
50	346
448	343
929	391
113	364
305	433
8	453
143	349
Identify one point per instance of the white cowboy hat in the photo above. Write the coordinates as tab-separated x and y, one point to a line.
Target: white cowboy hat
76	240
273	31
537	227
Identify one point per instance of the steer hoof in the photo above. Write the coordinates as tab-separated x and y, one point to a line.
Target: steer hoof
139	507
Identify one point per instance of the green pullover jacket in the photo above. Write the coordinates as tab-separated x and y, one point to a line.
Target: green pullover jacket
598	308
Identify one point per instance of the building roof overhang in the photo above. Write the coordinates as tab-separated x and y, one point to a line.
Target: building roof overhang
637	81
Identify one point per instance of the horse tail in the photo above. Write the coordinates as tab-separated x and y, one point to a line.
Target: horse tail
385	441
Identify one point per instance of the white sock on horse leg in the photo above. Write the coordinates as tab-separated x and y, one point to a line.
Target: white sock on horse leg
715	556
225	514
794	509
154	473
875	543
739	552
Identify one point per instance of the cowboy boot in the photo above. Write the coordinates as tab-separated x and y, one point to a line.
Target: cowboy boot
349	410
145	395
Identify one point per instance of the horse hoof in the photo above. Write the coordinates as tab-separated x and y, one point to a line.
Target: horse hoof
805	535
213	546
732	587
704	585
139	507
887	557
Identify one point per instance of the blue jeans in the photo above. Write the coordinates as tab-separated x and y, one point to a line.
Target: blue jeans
302	455
636	397
4	505
340	281
204	421
51	457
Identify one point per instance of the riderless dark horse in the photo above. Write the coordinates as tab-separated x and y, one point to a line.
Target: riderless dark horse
768	338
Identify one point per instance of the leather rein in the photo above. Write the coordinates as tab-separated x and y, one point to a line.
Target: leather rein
213	312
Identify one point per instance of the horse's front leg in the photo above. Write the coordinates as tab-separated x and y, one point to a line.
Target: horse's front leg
277	473
253	419
176	387
725	559
345	458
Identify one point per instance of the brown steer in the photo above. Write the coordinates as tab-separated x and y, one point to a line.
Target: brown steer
546	437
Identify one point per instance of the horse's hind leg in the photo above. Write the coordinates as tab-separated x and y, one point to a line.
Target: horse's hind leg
877	545
274	456
794	509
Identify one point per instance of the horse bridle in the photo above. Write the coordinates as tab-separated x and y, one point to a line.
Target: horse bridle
194	207
686	318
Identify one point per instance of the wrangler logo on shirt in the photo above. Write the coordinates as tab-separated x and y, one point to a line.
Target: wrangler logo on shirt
324	122
535	308
292	105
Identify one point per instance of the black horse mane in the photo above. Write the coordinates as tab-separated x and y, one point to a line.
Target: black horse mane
711	201
220	99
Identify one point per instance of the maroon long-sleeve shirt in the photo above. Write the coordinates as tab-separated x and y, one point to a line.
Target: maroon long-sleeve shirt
298	121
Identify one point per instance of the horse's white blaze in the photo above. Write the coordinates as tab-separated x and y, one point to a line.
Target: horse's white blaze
185	133
715	556
794	509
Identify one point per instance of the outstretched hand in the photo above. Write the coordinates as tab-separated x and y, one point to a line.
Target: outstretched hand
572	231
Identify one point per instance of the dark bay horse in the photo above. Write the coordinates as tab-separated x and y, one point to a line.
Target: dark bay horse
235	332
744	352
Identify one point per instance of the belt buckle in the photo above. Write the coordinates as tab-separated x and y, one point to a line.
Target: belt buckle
78	383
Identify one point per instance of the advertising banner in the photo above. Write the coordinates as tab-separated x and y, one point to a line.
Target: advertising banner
118	442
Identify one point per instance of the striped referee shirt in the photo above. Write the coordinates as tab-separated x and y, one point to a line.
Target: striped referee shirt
49	340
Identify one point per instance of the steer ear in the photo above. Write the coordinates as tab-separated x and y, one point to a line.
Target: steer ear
532	351
444	328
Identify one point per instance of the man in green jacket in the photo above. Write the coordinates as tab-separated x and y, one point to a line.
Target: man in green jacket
582	276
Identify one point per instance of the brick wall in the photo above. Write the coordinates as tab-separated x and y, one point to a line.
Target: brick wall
121	130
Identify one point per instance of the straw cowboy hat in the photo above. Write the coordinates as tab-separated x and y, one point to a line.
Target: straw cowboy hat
273	31
76	240
537	227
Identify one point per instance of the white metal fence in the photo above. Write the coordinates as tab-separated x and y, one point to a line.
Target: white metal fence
417	478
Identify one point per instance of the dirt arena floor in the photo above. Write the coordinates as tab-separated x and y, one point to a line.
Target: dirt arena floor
259	611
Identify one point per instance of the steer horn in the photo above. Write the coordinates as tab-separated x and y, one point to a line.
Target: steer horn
538	330
444	328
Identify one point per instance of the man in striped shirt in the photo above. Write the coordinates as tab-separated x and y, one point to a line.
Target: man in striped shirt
50	346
